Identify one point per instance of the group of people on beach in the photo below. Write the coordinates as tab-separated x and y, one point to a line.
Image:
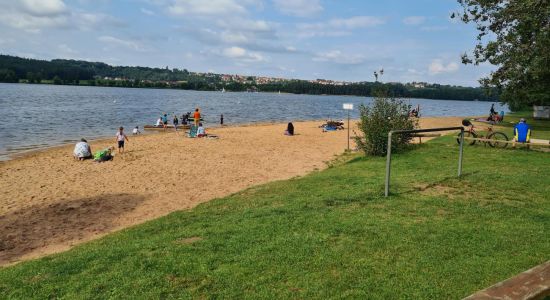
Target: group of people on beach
83	150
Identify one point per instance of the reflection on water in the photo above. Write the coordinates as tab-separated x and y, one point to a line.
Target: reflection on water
36	116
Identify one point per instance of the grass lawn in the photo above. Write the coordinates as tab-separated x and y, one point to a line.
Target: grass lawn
330	234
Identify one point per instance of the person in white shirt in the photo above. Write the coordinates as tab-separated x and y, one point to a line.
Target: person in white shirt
82	150
136	131
120	137
201	132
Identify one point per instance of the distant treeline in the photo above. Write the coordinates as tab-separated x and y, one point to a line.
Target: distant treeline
75	72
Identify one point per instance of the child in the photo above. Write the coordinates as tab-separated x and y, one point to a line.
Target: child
104	155
120	137
136	131
201	132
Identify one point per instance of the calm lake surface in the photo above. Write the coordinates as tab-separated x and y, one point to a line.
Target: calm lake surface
37	116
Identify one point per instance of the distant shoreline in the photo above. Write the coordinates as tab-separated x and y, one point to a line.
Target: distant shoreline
230	91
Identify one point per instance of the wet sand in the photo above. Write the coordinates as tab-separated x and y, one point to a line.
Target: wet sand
50	202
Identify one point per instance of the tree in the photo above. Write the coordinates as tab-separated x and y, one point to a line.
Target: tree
57	80
378	119
515	37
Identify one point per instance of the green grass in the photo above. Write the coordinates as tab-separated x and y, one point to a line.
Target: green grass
539	128
330	234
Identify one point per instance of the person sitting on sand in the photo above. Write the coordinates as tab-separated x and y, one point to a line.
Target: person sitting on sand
104	155
136	131
201	132
289	129
522	132
82	150
120	137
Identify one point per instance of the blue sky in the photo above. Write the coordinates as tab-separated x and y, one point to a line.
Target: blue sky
306	39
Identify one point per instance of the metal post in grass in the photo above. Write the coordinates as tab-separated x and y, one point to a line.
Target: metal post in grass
460	151
348	107
388	158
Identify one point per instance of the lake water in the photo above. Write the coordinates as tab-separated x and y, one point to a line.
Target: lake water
37	116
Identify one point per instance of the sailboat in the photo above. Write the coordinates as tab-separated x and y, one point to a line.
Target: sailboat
223	90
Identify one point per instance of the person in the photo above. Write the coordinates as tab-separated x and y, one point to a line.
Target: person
159	122
492	111
120	137
104	155
501	115
136	131
221	119
184	118
197	116
165	121
522	132
82	150
201	132
176	122
289	129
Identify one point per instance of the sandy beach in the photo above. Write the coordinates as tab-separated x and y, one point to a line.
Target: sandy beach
49	202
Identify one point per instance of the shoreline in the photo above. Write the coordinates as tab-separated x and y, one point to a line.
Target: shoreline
50	202
18	154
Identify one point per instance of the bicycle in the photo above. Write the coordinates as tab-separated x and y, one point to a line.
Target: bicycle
494	138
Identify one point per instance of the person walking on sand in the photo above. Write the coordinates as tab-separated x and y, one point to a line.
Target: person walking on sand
197	117
120	137
164	121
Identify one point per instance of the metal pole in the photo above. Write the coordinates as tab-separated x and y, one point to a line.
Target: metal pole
388	163
348	129
460	152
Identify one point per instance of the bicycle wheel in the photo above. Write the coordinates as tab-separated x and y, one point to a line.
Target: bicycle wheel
498	140
467	134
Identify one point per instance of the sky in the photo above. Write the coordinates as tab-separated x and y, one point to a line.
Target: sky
305	39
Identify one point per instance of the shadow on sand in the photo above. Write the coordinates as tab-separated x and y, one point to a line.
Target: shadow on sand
37	227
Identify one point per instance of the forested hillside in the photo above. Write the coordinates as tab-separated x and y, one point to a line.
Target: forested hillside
63	71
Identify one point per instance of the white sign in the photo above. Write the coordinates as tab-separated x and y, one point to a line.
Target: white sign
348	106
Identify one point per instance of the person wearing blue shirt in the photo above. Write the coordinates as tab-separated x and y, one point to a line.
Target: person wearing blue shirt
522	132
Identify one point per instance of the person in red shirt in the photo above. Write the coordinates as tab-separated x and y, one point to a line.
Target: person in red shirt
197	117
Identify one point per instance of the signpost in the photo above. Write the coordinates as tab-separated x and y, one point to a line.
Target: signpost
348	107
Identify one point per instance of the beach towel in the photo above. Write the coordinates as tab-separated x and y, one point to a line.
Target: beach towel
192	132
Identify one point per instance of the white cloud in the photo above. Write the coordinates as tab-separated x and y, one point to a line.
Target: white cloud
206	8
113	41
337	27
437	66
242	54
147	12
36	15
336	56
42	8
356	22
414	20
66	49
298	8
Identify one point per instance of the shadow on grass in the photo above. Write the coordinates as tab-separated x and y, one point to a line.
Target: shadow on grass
39	226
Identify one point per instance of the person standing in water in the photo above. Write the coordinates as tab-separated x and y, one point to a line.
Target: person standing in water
164	121
176	122
120	137
197	117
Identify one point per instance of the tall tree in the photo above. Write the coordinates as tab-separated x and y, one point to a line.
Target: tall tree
514	35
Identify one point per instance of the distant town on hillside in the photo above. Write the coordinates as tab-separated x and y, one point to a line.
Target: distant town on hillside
77	72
